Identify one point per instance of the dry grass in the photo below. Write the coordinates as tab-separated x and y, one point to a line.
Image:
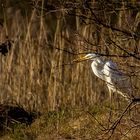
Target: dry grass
39	73
76	123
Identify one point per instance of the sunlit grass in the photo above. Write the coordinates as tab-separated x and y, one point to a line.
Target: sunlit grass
39	74
74	123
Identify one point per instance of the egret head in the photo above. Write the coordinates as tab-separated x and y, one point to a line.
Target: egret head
90	56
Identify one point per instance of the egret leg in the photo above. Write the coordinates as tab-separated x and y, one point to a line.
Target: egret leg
125	97
110	96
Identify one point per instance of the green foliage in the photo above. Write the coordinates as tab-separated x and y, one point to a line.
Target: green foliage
18	132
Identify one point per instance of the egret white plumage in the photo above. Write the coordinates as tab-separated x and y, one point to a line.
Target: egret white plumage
108	71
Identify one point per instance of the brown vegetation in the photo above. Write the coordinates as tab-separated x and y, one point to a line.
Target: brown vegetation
39	74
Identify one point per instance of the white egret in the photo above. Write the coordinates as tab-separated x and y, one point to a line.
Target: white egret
108	71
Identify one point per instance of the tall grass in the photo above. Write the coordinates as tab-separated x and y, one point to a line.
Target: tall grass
39	74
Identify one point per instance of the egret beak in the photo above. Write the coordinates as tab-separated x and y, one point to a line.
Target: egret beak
81	59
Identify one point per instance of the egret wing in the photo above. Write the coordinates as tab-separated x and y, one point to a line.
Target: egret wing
116	80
